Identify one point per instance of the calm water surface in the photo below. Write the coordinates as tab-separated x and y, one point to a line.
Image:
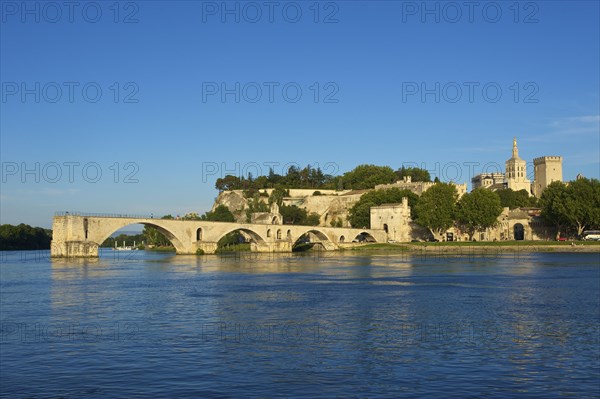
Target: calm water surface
142	324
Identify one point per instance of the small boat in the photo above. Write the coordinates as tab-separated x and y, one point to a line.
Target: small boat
125	247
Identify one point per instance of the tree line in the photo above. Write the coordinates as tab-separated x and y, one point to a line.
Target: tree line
361	177
24	237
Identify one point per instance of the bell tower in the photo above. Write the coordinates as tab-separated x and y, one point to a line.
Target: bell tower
516	171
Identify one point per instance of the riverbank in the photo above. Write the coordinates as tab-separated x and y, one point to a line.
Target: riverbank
485	247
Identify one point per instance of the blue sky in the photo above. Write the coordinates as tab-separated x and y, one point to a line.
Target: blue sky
390	83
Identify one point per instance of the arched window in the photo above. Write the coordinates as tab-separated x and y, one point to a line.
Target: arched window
279	234
199	234
289	234
269	233
342	238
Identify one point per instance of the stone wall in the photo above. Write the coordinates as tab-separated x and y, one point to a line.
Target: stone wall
418	187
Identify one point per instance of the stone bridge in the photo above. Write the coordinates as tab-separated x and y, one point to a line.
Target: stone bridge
80	235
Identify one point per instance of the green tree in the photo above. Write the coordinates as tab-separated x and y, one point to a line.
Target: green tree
360	213
436	208
416	174
312	219
478	210
261	182
368	176
364	176
515	199
255	205
153	236
24	237
220	214
273	178
191	216
553	202
583	204
228	182
292	214
336	222
278	194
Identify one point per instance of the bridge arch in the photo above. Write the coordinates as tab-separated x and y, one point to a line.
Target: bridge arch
364	237
253	234
323	238
100	236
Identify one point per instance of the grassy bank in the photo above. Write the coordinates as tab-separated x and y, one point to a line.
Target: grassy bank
233	248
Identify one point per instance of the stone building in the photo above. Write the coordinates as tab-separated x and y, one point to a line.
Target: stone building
519	224
271	217
394	219
516	171
491	181
516	224
513	224
546	170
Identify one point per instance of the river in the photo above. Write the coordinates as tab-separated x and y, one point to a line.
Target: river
142	324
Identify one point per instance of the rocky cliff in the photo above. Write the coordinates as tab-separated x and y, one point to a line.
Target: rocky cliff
330	208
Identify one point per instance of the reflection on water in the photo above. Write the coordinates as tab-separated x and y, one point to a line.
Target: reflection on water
315	324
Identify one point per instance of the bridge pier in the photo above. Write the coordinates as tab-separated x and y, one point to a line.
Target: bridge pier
207	246
73	249
275	246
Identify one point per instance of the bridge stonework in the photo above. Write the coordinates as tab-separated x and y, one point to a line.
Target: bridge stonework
81	236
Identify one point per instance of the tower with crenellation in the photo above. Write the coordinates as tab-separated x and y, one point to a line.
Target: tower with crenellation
546	170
